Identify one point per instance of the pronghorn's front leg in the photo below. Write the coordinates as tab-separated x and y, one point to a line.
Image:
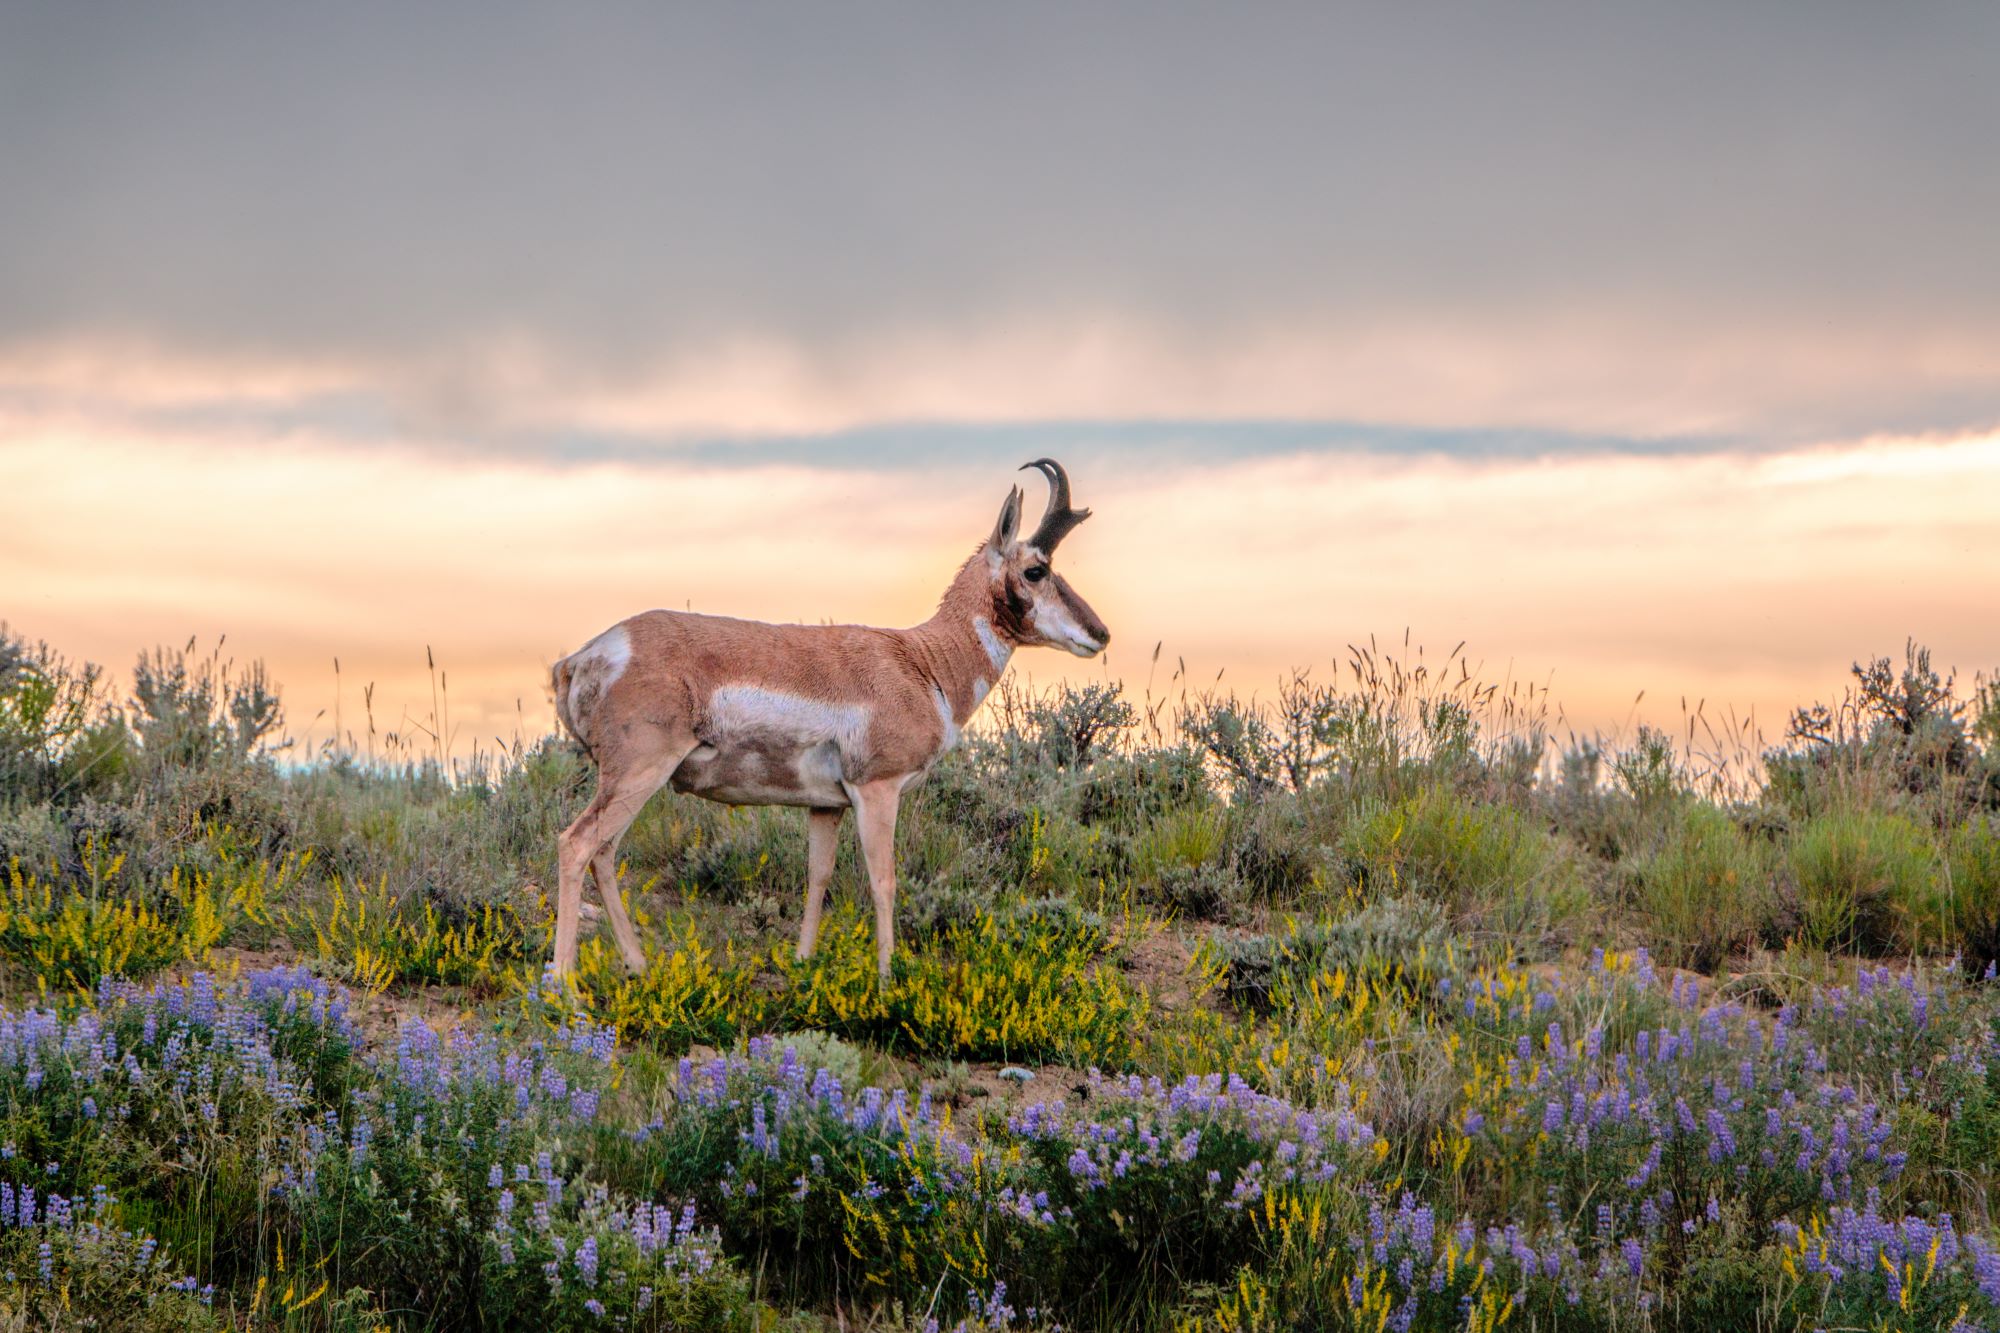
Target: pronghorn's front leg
875	820
822	839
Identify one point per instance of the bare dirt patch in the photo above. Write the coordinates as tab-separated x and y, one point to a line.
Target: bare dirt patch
983	1086
1156	958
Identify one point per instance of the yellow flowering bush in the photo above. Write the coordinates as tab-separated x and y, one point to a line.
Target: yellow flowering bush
69	937
370	939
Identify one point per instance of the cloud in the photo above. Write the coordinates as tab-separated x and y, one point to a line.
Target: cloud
1545	387
726	222
1585	376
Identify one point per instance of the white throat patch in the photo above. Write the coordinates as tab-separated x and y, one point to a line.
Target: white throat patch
997	652
944	716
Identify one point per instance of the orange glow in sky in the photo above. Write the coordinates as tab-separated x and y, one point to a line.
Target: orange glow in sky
1748	581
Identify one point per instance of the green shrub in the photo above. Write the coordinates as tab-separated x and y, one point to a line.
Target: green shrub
928	904
1128	789
1706	892
533	791
724	855
961	793
1182	840
1181	862
1971	893
842	1190
1049	853
845	1192
1900	736
1486	865
822	1050
1864	882
1280	850
1377	939
1613	803
1065	728
175	821
58	735
33	835
442	1179
194	712
1245	747
1647	771
1196	893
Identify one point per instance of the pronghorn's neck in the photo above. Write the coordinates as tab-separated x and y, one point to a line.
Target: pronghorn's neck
961	647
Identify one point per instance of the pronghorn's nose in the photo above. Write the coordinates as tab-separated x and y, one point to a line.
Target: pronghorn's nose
1090	642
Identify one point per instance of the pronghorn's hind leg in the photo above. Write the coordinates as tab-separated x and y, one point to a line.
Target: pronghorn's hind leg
604	869
822	840
875	819
627	777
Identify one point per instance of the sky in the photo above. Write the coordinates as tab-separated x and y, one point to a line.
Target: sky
1641	350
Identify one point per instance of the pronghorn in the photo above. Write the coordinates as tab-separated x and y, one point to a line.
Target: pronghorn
823	716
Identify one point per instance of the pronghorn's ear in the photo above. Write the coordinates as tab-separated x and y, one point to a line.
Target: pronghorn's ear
1009	525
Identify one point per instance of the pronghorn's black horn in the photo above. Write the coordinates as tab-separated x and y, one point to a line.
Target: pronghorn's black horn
1059	517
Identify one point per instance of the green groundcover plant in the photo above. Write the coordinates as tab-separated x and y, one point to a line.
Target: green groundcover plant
1368	1008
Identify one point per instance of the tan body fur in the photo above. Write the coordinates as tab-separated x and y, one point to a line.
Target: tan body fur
826	717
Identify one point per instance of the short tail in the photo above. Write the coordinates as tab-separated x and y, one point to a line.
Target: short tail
559	680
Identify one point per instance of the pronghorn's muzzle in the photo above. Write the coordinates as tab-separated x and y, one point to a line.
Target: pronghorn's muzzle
1074	625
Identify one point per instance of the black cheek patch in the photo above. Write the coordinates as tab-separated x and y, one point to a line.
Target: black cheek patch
1011	611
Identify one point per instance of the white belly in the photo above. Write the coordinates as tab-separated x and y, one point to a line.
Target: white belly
765	747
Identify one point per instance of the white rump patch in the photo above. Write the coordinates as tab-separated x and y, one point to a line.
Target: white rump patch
997	652
593	670
604	657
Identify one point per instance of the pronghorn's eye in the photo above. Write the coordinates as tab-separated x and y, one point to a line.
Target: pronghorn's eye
1035	573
